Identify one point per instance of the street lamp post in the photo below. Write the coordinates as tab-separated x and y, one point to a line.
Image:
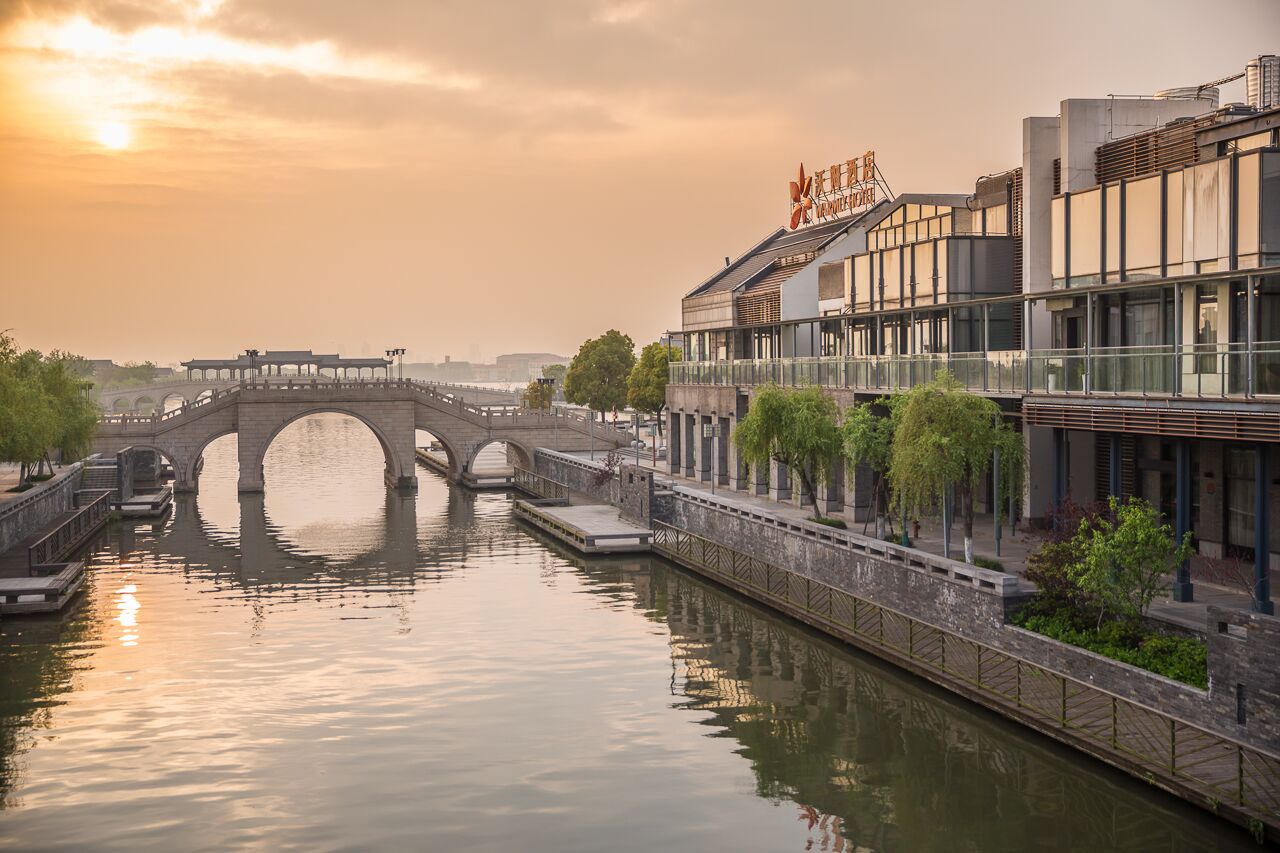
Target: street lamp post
253	367
398	352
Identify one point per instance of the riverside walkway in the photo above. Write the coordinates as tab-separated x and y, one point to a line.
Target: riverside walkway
1016	546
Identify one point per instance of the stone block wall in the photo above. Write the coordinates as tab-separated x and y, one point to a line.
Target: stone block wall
635	494
1246	654
580	475
32	510
1244	673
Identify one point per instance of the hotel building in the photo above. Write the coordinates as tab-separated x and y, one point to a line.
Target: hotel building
1117	293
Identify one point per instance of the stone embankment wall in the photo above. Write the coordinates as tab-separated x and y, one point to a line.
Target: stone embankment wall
582	476
954	597
26	514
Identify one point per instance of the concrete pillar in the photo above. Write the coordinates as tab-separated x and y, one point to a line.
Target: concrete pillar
725	473
1262	531
1114	487
738	474
831	493
690	442
759	477
675	421
779	481
1182	587
702	455
800	494
857	492
1059	465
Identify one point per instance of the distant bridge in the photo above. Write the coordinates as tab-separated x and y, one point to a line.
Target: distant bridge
257	410
183	391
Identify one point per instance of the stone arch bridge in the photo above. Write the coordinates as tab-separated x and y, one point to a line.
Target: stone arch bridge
257	410
131	400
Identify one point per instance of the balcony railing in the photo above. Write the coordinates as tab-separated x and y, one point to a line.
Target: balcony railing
1197	370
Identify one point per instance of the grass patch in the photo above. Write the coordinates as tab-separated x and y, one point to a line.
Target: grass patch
988	563
22	487
829	522
40	478
1183	659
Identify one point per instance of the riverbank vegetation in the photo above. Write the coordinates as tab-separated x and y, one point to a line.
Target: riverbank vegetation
1098	570
45	409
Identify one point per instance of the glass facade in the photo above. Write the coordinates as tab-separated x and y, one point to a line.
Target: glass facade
1203	218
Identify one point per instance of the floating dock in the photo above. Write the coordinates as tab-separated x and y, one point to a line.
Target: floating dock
592	528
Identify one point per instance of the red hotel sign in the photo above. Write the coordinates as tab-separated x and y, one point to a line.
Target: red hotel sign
836	191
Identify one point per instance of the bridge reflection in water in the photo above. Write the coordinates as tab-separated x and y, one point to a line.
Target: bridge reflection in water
333	664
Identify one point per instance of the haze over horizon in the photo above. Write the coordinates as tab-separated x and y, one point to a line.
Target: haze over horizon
193	177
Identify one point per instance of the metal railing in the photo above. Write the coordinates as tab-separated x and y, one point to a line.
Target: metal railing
1141	739
72	532
540	486
499	416
1194	370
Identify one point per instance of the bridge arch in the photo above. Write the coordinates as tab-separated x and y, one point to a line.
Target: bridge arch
523	453
254	443
177	398
455	458
122	405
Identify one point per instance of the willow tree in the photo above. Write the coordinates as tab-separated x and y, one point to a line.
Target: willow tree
868	440
796	427
946	437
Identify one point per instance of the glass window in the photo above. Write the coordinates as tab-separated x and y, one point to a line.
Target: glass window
935	227
1207	327
1203	210
923	289
945	227
862	280
1085	238
899	216
1249	182
911	232
1142	227
892	277
1173	222
913	212
1113	232
942	270
998	219
1058	256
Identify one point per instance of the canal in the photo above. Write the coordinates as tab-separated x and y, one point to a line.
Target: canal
331	666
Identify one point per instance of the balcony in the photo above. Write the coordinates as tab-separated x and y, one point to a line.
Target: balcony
1210	371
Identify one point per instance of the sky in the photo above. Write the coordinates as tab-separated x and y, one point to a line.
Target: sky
191	178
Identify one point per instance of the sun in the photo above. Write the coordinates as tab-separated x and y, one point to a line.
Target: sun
114	135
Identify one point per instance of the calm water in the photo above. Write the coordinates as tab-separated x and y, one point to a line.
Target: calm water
335	667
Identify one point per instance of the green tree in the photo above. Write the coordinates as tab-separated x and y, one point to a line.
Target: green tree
945	437
647	384
539	395
43	407
796	427
556	372
597	377
867	436
1123	562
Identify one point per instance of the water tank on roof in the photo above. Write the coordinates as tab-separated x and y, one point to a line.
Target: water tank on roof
1262	81
1207	93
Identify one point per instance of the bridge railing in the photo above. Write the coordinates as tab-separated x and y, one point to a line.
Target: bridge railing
540	486
71	532
499	416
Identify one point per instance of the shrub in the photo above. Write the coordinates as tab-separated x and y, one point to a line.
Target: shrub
1124	558
1183	659
1049	568
988	563
829	522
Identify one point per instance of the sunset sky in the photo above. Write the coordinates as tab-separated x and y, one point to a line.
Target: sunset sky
188	178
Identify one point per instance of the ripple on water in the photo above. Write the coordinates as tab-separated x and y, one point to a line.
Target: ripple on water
333	666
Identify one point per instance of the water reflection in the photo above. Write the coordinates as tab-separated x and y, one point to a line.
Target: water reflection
421	672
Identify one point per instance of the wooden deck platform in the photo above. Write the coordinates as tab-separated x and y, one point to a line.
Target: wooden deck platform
41	593
592	528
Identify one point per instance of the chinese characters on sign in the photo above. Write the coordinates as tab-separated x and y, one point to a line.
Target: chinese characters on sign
836	191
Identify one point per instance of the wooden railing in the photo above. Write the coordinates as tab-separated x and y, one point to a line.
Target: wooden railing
1142	740
72	532
540	486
